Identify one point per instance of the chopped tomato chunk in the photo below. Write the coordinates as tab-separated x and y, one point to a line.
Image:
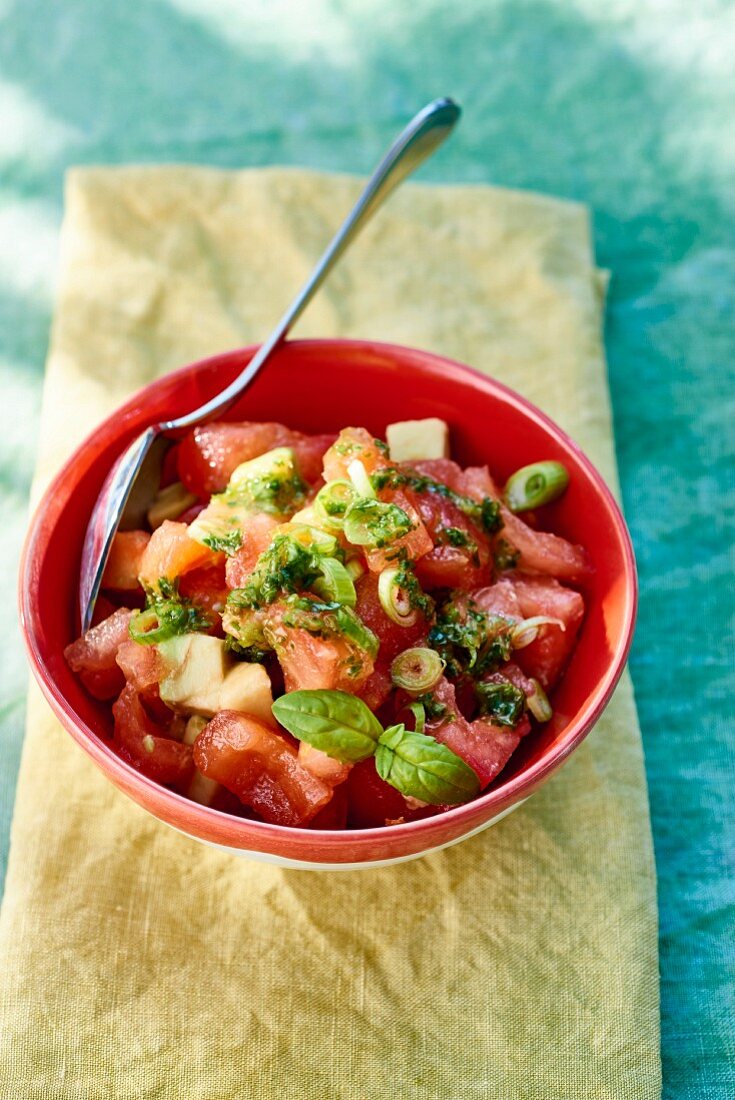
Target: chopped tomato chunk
256	536
261	768
211	452
481	744
330	771
206	587
352	444
123	564
171	552
142	665
106	683
144	743
96	650
412	545
392	637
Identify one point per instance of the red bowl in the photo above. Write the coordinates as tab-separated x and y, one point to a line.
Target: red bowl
318	386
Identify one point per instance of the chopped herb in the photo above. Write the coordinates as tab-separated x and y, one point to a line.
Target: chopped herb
285	566
225	544
456	536
251	653
372	523
470	640
485	514
166	614
326	620
382	447
505	556
433	709
501	701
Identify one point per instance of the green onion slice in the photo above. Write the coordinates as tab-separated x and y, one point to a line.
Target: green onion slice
395	600
332	502
356	568
526	631
419	714
150	627
417	670
359	477
538	703
335	584
534	485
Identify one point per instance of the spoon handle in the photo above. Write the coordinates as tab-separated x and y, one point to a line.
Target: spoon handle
424	133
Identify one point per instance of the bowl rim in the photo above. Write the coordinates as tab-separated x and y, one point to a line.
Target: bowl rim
200	819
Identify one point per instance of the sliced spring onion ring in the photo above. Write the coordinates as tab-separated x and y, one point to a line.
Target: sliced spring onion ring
332	502
359	477
538	703
335	584
534	485
147	628
355	568
395	600
313	538
417	670
526	631
419	713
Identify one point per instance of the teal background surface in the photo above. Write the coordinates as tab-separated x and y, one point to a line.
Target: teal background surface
627	106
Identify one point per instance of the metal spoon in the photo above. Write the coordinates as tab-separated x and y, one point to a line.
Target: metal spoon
133	481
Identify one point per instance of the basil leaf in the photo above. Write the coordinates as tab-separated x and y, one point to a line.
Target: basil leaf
334	722
421	767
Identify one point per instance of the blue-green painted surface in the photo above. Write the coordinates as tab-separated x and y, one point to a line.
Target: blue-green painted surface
626	105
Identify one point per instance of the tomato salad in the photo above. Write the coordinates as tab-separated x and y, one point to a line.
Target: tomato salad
332	632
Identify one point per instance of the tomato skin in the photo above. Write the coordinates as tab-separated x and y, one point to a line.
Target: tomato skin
373	803
261	768
171	552
210	453
96	650
256	537
169	762
123	564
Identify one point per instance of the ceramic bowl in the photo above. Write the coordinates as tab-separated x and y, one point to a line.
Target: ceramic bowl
319	386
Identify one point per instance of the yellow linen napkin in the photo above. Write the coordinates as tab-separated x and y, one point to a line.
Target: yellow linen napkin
138	963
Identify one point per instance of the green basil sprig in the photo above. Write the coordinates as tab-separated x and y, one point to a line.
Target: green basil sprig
421	767
343	727
335	722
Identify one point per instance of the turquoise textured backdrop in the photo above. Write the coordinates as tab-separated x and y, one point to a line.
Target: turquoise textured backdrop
627	106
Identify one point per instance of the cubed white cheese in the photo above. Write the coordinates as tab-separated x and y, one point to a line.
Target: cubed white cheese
247	688
198	666
409	440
